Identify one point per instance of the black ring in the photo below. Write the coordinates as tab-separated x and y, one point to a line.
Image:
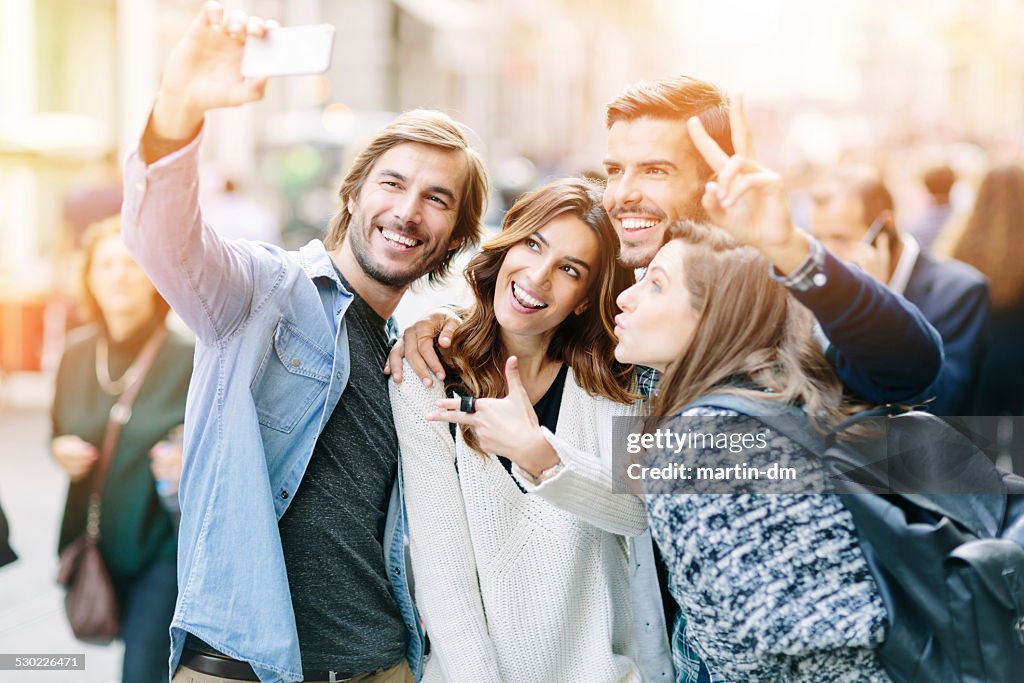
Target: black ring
468	404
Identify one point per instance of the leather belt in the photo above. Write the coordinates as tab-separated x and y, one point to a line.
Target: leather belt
221	667
237	670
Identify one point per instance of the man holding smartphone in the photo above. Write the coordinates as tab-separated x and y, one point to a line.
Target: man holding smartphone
854	216
291	557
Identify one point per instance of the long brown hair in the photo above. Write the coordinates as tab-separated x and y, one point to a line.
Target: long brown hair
583	342
992	241
427	127
749	327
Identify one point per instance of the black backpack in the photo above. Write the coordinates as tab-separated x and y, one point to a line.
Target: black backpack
942	530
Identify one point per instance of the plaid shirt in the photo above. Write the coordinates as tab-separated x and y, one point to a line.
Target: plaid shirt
689	667
686	661
647	380
809	274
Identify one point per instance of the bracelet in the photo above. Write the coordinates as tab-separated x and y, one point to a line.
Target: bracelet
549	472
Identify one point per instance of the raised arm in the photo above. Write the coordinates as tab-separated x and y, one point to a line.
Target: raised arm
447	587
885	351
209	281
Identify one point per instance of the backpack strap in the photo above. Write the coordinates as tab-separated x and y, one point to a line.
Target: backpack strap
982	509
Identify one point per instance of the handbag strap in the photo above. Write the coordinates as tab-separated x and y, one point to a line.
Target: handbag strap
120	413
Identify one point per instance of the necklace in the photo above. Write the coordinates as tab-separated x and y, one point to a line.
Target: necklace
111	386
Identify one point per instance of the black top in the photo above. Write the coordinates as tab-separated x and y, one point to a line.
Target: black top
546	407
135	529
6	552
332	533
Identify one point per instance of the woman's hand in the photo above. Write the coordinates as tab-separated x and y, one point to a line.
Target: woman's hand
165	462
74	455
505	426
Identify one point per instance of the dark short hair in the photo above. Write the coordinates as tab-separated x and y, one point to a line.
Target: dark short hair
867	185
939	180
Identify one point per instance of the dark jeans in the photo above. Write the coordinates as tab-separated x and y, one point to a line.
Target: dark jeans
147	607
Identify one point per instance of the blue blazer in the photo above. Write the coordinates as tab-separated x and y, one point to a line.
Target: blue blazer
883	347
954	298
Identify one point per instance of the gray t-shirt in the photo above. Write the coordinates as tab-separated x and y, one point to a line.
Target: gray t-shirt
333	531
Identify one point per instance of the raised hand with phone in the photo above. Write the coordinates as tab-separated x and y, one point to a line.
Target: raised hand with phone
224	60
874	253
204	72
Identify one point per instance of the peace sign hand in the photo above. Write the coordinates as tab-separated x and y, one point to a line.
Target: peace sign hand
744	197
505	426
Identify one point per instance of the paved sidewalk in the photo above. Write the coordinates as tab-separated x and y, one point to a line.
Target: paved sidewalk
32	489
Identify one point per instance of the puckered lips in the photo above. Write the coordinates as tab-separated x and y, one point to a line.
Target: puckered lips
619	327
525	300
398	241
636	224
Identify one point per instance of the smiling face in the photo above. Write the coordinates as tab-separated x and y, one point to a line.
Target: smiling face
405	212
658	320
546	277
117	283
653	180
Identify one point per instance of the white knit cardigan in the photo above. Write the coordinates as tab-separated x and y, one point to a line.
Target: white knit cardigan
511	586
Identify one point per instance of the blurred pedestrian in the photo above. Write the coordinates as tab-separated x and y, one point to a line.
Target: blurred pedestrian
138	536
854	217
7	554
993	242
939	181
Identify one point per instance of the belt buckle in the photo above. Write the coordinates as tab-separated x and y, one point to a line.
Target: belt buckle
332	678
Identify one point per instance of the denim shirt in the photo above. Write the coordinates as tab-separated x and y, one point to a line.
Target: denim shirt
271	362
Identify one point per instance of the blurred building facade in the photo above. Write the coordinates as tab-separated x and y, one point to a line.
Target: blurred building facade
79	76
529	76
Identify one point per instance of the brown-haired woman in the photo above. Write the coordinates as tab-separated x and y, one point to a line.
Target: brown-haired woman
520	558
138	536
770	587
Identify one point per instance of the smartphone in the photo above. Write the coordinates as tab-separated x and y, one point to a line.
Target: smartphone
289	51
874	230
